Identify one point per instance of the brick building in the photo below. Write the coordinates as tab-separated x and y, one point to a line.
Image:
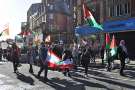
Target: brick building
55	18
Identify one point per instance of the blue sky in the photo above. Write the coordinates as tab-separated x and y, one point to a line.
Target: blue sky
14	12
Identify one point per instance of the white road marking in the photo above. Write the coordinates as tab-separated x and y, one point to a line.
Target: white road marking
3	76
1	82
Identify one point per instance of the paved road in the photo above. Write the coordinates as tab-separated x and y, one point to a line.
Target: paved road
98	79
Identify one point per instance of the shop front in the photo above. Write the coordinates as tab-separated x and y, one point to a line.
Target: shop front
123	30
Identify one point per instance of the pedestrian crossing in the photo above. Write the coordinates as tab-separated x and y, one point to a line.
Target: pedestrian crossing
3	82
8	83
11	82
114	74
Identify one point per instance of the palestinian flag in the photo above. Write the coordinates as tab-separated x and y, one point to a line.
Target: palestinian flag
113	46
5	31
107	37
90	19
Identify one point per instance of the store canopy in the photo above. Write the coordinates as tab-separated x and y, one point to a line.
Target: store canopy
86	30
108	27
119	25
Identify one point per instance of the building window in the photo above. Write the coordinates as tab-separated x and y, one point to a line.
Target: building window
44	18
51	16
119	10
67	2
46	2
74	15
111	11
123	9
127	8
113	1
44	8
51	7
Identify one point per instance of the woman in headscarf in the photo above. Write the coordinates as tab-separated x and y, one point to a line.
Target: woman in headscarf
122	54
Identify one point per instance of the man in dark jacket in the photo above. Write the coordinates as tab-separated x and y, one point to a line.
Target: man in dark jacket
122	54
43	55
86	59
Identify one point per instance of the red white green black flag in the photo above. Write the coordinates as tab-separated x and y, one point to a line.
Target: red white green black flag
107	40
90	19
113	46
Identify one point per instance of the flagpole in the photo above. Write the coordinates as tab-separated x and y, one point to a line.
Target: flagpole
82	1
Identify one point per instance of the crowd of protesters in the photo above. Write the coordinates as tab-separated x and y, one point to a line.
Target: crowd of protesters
78	55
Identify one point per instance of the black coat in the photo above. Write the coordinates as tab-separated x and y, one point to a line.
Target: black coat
85	58
121	53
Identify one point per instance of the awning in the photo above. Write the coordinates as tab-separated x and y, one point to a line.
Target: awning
86	30
108	27
119	25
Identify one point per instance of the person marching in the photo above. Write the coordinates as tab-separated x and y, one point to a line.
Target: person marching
122	55
31	53
67	58
43	56
102	51
15	53
85	59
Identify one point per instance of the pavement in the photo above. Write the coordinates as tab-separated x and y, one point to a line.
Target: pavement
129	66
98	79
